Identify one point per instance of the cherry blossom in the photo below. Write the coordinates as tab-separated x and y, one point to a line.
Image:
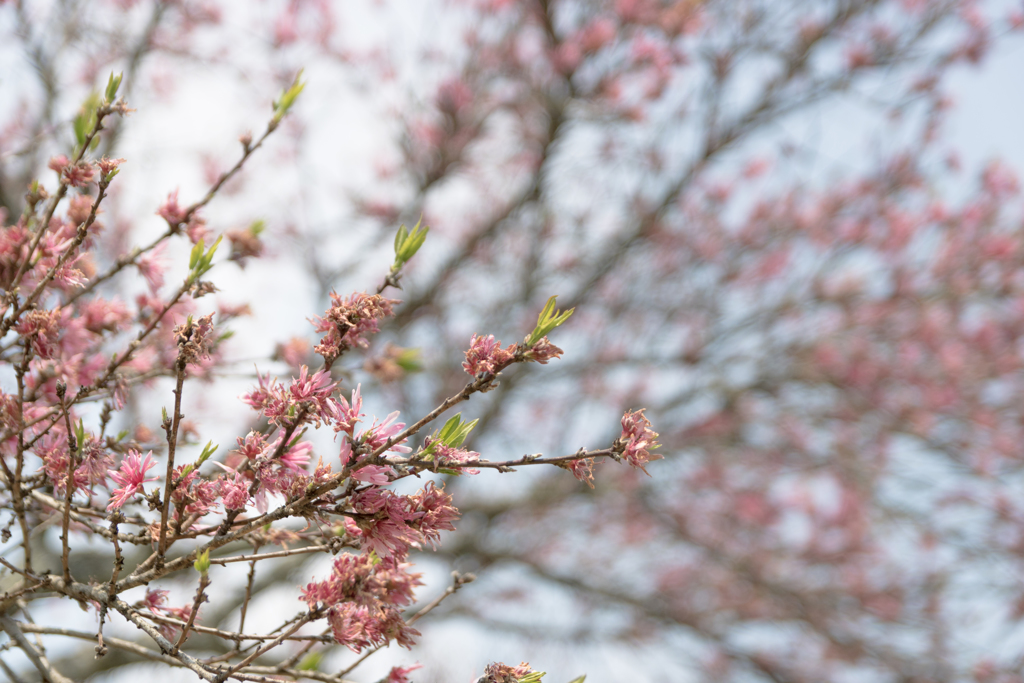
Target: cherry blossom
131	475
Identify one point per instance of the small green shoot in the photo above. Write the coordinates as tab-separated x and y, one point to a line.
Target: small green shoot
453	434
408	243
311	662
200	262
86	121
202	563
288	97
113	83
549	319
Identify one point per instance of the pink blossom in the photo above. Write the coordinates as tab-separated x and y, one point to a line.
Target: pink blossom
155	599
638	439
198	495
234	492
485	355
431	512
131	476
269	398
345	455
448	456
107	165
317	389
293	352
453	96
43	329
502	673
378	435
322	472
194	339
96	460
583	470
252	446
151	266
286	28
543	351
359	627
401	674
67	276
568	56
373	474
58	163
347	414
382	521
389	523
297	457
170	211
1000	180
101	315
597	34
362	594
53	450
78	175
347	322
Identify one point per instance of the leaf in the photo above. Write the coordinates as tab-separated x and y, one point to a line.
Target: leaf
403	232
408	243
549	319
193	258
208	450
311	662
202	563
113	83
288	97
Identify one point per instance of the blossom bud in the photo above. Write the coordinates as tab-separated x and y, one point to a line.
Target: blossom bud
202	563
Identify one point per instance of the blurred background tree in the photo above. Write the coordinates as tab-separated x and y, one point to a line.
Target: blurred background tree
767	241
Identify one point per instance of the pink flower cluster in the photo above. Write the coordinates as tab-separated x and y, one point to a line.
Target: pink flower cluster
348	321
638	439
485	355
362	596
401	674
503	673
175	214
315	391
583	470
155	601
194	339
83	172
543	351
131	476
389	523
53	449
43	329
448	456
194	494
284	475
377	435
311	393
347	414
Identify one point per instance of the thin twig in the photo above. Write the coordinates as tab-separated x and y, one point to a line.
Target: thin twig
204	582
271	645
248	596
172	442
11	627
458	581
69	484
267	556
